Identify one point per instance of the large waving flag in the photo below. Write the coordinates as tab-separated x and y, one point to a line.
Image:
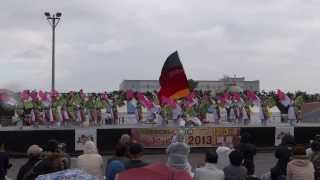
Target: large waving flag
173	80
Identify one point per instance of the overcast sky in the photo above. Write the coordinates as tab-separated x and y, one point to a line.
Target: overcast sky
101	42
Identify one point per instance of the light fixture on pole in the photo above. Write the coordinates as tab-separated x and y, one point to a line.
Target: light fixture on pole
53	21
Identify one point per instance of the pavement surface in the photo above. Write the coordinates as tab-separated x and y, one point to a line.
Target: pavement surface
263	162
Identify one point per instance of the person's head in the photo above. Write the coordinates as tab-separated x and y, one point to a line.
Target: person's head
299	152
315	146
211	157
135	150
62	147
120	150
236	158
34	151
288	140
52	146
90	148
245	138
125	139
180	136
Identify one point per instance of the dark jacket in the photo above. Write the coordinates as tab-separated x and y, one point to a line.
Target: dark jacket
235	173
135	164
283	153
51	162
315	159
249	151
27	167
4	164
252	178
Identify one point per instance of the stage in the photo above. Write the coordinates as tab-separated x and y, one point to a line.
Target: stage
18	139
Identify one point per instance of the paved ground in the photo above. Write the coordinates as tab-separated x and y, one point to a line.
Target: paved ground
263	161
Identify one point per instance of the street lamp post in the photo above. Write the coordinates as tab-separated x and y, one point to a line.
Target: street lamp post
53	21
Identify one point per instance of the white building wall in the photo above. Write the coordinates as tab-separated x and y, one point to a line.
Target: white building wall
151	85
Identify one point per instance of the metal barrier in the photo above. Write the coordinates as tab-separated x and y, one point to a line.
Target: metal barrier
123	119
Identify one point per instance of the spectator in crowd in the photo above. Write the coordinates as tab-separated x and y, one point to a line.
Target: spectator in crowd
135	154
125	140
34	153
51	160
300	168
117	162
309	150
210	170
178	153
114	168
4	162
315	158
283	153
223	156
62	148
119	154
157	171
249	151
235	171
91	161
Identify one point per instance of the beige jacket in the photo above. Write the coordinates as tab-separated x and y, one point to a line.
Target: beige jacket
300	169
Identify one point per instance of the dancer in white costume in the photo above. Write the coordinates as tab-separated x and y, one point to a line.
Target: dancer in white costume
291	114
196	121
132	112
176	113
181	122
245	117
261	116
212	113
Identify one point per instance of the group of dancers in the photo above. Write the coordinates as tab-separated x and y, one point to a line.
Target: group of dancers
79	108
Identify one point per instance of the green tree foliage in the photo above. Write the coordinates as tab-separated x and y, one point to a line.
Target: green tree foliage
192	84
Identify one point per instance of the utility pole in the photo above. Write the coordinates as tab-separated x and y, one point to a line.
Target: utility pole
53	22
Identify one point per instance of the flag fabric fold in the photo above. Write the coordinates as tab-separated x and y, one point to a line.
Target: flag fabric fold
173	80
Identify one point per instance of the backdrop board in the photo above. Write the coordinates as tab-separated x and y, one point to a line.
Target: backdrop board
195	137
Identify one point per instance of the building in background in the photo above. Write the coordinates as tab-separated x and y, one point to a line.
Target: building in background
215	86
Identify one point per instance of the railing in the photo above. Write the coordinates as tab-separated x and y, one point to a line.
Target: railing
123	119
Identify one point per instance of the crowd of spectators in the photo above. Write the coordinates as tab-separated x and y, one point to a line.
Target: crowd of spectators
294	162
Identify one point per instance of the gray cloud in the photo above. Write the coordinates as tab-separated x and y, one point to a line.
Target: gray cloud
100	43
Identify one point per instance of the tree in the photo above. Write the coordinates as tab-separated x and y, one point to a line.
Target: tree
192	84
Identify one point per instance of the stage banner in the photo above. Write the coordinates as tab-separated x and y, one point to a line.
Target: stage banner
83	135
282	131
195	137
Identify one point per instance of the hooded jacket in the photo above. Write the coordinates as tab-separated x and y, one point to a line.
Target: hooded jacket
223	156
91	162
300	169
